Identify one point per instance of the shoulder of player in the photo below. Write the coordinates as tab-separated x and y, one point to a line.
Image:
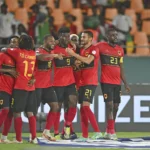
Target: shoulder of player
120	48
101	44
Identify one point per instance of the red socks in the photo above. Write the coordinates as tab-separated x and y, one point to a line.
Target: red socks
71	114
71	126
91	118
32	126
50	120
110	126
7	124
18	128
56	123
3	115
84	123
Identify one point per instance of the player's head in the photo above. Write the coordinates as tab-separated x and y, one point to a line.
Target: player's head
74	39
26	42
64	36
112	36
14	41
86	37
4	9
49	41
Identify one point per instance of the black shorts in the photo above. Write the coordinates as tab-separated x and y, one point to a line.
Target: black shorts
23	101
5	99
86	93
45	95
63	92
111	92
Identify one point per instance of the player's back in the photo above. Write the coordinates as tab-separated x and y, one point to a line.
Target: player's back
25	63
6	79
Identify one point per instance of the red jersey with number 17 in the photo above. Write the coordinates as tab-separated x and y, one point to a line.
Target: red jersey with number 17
25	63
111	57
6	79
89	72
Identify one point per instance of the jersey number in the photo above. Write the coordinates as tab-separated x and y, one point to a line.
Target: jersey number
113	60
68	61
26	63
88	93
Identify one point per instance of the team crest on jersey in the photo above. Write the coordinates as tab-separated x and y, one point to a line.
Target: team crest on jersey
105	96
94	52
87	53
119	53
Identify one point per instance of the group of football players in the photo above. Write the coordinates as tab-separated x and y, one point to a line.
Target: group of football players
61	72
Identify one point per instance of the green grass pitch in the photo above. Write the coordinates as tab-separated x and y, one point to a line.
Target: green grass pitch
27	146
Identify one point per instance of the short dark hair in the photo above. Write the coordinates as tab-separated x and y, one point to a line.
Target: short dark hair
25	42
12	37
112	29
90	34
47	36
4	5
63	30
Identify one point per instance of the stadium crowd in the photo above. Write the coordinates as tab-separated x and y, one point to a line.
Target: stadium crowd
40	17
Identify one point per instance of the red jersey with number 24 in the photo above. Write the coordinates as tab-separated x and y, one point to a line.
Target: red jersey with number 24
25	63
110	57
89	72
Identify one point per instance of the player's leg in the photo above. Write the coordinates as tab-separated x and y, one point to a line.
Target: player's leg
30	108
18	105
7	124
60	96
107	90
66	108
4	104
50	97
83	117
89	92
71	92
117	100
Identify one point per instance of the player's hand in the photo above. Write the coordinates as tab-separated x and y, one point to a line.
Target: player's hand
59	56
13	72
31	82
78	63
73	45
70	51
127	88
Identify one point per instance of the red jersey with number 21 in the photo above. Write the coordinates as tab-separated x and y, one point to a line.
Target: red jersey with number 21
111	57
89	72
25	63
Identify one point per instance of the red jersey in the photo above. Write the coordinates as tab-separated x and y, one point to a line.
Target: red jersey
77	76
111	57
6	80
89	72
63	70
25	63
43	71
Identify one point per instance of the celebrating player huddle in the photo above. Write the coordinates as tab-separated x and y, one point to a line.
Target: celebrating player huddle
26	80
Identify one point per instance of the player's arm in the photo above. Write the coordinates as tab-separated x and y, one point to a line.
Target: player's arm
86	60
46	57
122	75
13	72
